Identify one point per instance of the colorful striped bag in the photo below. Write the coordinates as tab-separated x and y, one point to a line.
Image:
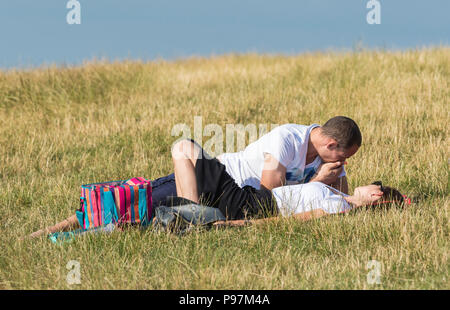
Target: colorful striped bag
116	202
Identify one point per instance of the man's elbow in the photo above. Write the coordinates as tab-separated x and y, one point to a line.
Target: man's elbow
271	184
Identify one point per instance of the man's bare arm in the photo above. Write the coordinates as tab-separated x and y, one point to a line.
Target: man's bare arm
273	174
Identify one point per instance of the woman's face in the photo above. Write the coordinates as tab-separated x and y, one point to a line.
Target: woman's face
368	194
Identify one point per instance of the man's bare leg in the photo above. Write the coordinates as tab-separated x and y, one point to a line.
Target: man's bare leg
184	156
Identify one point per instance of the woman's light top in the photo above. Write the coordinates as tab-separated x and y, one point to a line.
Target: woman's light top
293	199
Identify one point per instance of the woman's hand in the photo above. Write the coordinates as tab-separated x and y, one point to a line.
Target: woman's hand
231	223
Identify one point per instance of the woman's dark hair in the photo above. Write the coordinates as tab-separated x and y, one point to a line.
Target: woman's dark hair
390	196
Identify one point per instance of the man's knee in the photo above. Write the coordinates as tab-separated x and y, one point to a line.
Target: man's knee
183	149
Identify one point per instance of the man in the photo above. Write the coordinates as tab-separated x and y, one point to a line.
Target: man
289	154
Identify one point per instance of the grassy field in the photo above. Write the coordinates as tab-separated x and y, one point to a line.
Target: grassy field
63	127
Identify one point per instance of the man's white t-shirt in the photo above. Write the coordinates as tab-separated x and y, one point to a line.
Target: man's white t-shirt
288	144
293	199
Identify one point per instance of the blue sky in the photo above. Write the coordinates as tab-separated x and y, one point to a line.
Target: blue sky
35	32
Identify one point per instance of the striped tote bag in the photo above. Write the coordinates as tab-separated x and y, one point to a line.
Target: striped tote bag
116	202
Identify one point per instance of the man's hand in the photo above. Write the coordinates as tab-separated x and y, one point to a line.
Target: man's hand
328	173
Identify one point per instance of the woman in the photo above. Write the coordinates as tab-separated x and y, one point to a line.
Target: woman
204	180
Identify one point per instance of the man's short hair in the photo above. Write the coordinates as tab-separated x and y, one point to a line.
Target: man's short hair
344	130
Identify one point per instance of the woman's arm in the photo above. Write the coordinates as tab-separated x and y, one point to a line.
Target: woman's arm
304	216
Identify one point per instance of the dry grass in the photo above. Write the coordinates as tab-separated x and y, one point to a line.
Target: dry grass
63	127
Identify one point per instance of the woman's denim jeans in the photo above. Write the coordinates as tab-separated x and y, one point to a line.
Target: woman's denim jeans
163	187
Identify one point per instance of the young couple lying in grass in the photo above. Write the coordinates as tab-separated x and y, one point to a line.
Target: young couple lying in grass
204	180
